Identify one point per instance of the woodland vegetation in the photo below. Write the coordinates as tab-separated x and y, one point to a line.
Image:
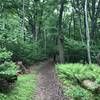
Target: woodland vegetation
36	30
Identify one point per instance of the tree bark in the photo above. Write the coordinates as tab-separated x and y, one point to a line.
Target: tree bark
23	19
60	37
87	33
80	20
93	26
81	28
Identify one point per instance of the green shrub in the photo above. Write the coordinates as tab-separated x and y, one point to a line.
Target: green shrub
73	74
78	93
76	51
79	70
8	68
26	52
5	55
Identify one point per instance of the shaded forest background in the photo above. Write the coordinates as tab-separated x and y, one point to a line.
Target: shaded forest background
39	29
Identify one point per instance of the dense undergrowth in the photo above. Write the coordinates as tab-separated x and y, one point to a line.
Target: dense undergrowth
24	89
73	74
13	87
6	64
26	52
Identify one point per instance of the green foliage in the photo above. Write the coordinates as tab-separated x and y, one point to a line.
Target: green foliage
73	74
28	53
9	28
51	49
77	93
24	90
80	71
75	51
5	55
73	44
8	68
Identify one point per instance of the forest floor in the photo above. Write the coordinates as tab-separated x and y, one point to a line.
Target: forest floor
49	88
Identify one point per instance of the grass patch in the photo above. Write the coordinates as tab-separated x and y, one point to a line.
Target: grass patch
68	73
24	89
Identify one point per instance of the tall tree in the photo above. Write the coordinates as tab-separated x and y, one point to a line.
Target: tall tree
60	33
23	19
87	33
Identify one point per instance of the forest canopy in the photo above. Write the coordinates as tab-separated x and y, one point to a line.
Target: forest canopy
68	29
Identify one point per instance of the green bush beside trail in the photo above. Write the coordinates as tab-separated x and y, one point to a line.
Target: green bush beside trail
72	74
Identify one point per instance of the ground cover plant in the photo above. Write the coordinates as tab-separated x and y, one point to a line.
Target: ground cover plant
13	87
73	75
8	70
24	89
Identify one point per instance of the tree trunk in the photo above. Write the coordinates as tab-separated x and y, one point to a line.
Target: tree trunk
81	28
93	26
74	24
69	27
60	37
80	21
45	41
23	19
73	17
87	33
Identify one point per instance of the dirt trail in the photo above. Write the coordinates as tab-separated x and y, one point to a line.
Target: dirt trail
48	85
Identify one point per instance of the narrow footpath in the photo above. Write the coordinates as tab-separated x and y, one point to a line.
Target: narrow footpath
49	87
